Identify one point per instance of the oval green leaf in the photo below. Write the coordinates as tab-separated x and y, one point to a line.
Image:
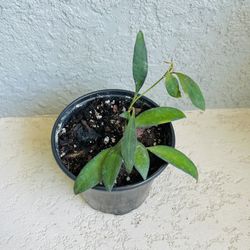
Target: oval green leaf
142	160
91	174
172	85
176	158
111	167
128	143
140	61
157	116
192	89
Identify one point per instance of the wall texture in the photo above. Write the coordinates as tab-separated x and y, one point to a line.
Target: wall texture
56	50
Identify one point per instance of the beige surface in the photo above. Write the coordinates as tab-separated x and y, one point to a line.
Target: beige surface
39	211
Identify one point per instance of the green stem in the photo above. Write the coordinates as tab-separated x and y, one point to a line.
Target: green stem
137	97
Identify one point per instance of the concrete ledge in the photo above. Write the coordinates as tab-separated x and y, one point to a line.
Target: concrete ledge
38	209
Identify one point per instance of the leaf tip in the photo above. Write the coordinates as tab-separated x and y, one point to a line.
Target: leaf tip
203	108
195	175
109	187
197	178
125	115
202	104
183	115
129	167
140	33
76	189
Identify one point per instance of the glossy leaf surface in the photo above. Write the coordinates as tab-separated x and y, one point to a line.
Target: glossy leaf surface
91	174
172	86
193	91
157	116
111	167
176	158
128	143
140	61
142	160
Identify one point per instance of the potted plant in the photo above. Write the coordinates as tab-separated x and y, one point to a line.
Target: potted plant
114	143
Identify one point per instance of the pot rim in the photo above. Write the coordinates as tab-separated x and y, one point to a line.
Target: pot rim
102	93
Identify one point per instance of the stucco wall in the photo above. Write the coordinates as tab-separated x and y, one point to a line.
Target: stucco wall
54	51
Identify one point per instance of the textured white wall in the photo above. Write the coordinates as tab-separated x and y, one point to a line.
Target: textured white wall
54	51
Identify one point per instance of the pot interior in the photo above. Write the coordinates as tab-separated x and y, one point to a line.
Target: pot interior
81	105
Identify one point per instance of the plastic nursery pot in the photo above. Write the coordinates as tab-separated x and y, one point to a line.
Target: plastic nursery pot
120	200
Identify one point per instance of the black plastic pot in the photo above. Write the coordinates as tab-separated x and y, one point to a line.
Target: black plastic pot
122	199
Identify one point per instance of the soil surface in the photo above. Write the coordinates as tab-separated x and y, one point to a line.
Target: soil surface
98	126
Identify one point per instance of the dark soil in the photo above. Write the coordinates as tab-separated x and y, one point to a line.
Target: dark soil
98	126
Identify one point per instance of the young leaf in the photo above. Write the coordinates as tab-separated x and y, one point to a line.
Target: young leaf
111	167
91	174
142	160
172	85
176	158
140	61
192	89
157	116
128	143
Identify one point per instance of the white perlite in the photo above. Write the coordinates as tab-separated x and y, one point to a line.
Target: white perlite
106	140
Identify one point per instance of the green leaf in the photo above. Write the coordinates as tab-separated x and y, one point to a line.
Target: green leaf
128	144
172	85
140	61
192	89
142	160
91	174
176	158
111	167
125	115
157	116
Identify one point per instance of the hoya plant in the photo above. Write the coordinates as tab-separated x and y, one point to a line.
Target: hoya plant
106	165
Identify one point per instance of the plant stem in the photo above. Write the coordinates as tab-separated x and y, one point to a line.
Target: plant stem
146	91
137	97
134	97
